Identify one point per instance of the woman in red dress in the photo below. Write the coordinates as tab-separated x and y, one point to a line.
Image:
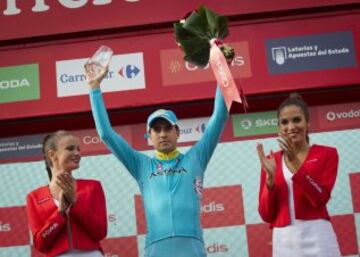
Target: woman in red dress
296	184
68	216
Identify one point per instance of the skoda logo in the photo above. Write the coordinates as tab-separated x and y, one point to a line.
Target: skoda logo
245	124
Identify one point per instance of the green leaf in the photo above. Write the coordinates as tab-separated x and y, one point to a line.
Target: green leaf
223	30
194	34
212	20
201	58
181	33
193	45
196	24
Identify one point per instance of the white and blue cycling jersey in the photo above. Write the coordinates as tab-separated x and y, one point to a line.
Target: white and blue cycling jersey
170	184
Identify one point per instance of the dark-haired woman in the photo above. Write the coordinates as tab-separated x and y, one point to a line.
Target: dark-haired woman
68	216
296	184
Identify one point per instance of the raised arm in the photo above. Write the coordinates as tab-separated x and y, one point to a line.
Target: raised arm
117	145
206	146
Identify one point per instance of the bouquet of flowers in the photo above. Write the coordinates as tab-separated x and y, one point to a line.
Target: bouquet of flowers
200	35
194	35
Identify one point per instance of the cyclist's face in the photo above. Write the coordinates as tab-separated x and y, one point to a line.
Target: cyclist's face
164	136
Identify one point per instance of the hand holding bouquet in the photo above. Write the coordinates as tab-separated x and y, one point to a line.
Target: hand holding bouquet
201	36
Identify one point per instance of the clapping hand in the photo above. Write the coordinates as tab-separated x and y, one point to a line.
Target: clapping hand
290	151
267	163
68	191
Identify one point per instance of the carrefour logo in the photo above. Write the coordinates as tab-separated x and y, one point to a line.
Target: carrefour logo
201	128
255	123
19	83
126	72
129	71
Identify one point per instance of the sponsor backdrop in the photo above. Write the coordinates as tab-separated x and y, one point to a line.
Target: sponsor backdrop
148	69
232	226
39	17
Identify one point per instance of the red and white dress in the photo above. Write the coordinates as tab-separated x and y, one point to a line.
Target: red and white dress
296	206
78	232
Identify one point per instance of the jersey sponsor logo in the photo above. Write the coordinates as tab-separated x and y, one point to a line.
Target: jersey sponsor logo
198	185
169	171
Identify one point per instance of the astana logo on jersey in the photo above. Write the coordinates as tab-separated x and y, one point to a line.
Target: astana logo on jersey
160	171
169	171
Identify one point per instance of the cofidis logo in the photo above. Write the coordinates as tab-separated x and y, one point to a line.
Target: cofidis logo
19	83
176	71
126	72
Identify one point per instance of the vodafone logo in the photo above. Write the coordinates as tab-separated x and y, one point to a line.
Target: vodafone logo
332	116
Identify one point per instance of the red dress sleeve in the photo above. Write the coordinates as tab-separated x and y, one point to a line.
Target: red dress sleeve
267	200
45	226
91	204
318	188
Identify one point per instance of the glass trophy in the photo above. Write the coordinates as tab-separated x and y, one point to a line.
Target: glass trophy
99	60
